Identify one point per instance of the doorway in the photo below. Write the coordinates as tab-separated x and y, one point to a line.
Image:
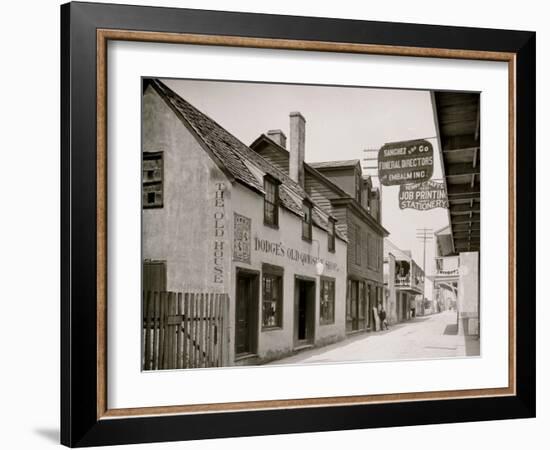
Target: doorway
246	313
304	312
357	307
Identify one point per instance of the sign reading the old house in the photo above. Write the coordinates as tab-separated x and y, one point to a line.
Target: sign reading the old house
423	196
219	233
241	238
405	162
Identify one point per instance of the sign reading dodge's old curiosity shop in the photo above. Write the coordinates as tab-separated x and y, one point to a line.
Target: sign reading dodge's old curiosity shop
423	196
405	162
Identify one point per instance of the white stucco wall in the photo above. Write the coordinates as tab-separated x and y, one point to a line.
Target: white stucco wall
183	232
468	294
275	343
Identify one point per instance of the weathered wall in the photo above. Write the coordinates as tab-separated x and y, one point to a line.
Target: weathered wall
319	192
468	294
343	178
275	156
273	344
185	231
392	298
367	236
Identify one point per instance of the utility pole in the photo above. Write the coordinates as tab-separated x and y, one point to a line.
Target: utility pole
424	235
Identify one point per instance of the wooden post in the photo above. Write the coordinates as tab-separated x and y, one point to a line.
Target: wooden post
201	331
162	322
210	329
192	331
179	312
147	327
185	329
171	331
156	330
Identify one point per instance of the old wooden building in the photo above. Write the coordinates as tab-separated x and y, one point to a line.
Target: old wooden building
340	188
220	218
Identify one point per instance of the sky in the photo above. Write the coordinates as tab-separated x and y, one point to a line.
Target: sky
341	122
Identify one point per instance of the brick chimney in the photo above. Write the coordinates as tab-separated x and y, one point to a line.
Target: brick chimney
297	147
277	136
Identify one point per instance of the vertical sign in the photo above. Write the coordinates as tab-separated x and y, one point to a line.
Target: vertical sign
219	232
241	238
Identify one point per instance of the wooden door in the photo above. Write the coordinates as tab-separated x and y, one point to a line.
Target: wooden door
245	314
304	327
354	294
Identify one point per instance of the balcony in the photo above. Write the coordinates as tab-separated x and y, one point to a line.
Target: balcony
409	277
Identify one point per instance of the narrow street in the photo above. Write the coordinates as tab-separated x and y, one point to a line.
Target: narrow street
433	336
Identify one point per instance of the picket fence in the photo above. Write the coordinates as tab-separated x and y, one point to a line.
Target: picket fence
183	330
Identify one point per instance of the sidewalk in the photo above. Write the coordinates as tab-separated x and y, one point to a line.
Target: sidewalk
426	337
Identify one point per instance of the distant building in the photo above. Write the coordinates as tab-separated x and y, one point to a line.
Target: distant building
340	188
404	281
456	282
218	217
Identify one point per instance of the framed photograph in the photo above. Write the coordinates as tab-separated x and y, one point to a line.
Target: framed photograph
277	224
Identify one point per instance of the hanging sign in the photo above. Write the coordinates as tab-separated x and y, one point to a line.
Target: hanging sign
423	196
241	238
405	162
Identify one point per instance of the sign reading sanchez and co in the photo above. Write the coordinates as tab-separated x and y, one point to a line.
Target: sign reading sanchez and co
423	196
405	162
281	250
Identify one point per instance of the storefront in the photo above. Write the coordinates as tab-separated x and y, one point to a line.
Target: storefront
297	282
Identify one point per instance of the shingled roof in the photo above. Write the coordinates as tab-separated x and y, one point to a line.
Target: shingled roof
334	164
233	155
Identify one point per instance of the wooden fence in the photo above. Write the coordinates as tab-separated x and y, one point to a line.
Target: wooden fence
183	330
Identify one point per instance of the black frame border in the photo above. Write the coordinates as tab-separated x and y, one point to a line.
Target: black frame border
79	423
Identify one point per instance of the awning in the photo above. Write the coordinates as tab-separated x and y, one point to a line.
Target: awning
458	127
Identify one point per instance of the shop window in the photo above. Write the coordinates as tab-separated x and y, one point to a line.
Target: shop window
272	297
327	301
271	202
152	176
331	235
307	221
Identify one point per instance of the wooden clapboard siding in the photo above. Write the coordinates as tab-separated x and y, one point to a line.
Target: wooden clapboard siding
319	192
341	215
183	330
275	156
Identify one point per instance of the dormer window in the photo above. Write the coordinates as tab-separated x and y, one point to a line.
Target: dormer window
271	202
307	220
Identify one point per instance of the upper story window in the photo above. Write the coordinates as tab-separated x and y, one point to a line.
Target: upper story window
271	202
358	244
331	235
153	179
373	252
307	221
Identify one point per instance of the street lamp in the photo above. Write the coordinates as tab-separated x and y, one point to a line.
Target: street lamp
319	266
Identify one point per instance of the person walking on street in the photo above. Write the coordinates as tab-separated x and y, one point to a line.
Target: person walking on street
382	315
